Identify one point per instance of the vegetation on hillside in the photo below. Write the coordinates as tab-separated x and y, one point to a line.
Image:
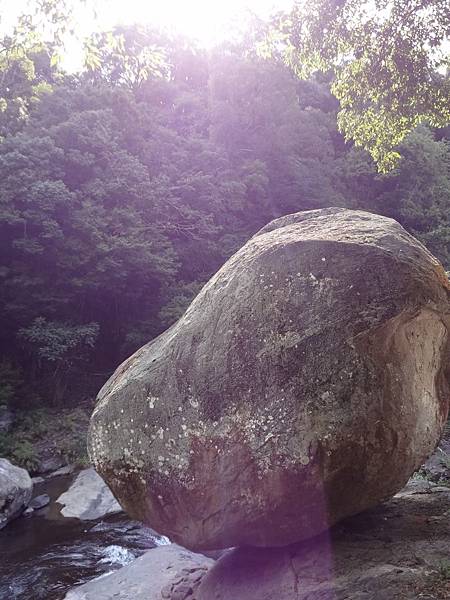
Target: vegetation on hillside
388	58
124	187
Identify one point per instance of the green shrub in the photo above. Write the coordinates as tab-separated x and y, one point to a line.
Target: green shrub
74	449
443	569
24	455
10	380
36	423
20	452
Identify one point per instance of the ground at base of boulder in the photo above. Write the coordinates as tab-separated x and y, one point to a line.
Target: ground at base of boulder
398	550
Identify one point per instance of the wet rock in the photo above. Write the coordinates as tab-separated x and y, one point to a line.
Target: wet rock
16	488
39	502
161	571
393	551
304	384
88	498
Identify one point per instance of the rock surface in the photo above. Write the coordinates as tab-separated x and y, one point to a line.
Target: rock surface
37	480
16	488
66	470
398	550
153	576
39	502
304	384
49	464
88	498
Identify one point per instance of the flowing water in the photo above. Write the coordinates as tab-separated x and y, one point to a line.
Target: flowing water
44	555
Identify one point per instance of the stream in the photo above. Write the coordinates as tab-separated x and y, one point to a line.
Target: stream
44	555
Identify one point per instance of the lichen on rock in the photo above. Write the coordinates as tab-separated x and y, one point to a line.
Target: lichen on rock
305	383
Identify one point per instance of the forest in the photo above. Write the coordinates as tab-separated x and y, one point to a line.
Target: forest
284	433
125	185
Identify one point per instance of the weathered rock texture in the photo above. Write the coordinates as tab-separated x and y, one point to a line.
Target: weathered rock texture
398	551
153	576
304	384
16	488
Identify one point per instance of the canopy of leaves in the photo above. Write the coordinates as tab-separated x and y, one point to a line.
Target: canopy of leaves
126	56
29	56
122	190
389	59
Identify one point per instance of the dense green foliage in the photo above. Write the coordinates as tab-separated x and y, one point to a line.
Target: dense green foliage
122	189
389	59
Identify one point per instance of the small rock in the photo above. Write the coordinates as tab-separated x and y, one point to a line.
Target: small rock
37	480
440	489
182	592
50	464
88	498
166	592
39	501
437	467
66	470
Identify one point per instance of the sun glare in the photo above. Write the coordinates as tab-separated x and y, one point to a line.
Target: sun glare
208	21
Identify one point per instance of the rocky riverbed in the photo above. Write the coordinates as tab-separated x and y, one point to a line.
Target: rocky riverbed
398	550
44	554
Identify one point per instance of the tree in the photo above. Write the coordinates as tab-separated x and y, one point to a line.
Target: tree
121	193
29	57
79	232
126	56
261	112
26	72
389	59
417	193
59	346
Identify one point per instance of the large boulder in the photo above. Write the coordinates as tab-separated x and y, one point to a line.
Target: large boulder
88	498
16	488
305	383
